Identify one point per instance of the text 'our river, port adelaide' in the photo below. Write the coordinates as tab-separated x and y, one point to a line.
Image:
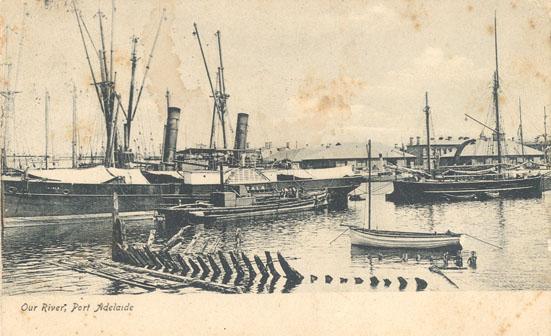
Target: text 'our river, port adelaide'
77	307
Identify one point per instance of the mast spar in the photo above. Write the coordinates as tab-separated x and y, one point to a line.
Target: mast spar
521	133
222	91
427	125
496	100
127	125
369	185
105	87
545	143
218	94
74	141
214	96
132	113
46	127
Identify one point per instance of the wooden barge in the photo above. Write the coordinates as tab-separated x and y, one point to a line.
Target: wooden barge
262	207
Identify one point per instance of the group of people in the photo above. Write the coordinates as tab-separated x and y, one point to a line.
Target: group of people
471	261
290	192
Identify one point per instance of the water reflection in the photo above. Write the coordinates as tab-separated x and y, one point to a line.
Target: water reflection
521	227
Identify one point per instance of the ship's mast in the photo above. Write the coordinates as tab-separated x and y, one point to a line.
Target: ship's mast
545	143
105	88
46	127
214	96
521	133
128	124
74	142
132	112
369	185
222	91
427	125
496	101
8	93
219	94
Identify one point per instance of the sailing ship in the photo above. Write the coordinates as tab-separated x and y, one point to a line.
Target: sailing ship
400	239
429	188
73	192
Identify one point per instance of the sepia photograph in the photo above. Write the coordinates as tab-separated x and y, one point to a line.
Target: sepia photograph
286	152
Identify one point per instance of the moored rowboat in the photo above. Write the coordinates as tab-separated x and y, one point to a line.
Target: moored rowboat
403	239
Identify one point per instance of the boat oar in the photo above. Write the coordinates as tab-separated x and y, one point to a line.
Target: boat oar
499	247
338	236
437	270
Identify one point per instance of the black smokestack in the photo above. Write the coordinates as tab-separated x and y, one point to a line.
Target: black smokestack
171	134
241	131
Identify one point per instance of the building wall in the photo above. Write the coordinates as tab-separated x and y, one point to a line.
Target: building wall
376	164
489	160
420	152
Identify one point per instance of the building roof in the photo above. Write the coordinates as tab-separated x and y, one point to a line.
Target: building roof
440	141
488	147
338	152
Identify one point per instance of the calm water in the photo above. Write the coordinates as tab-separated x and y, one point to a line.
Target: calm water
520	227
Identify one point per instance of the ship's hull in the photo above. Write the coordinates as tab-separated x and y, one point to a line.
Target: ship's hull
430	191
39	198
406	240
33	198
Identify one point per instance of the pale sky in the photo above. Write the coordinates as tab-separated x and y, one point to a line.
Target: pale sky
306	71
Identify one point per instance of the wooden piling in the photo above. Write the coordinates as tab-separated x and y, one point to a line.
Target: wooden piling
134	257
236	264
118	245
213	265
145	257
328	279
194	266
271	286
249	265
137	256
403	283
290	273
151	238
224	262
183	265
373	281
166	265
387	282
192	243
270	264
174	266
421	284
157	264
358	280
173	241
260	266
313	278
203	265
